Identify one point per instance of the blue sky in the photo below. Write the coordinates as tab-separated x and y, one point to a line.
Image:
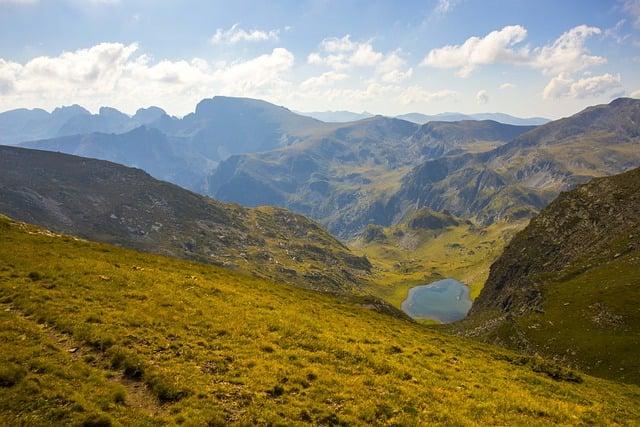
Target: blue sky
549	58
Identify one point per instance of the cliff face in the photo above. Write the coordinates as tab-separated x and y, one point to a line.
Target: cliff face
568	285
591	224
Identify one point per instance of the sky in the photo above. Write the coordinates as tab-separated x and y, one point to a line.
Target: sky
522	57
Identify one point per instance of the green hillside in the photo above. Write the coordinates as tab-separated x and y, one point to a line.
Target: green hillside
428	246
568	285
100	335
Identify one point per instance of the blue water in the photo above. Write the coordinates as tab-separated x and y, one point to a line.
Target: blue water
445	301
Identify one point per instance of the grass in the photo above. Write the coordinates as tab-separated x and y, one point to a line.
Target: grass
183	343
462	252
588	321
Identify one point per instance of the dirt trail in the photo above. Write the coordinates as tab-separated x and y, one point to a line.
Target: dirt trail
137	394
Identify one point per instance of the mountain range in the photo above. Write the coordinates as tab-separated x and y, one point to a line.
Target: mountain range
107	202
128	299
419	118
347	175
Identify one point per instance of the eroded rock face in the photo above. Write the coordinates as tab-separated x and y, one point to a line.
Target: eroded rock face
583	224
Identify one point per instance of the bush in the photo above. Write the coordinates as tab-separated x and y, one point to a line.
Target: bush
97	420
276	391
163	390
35	276
119	395
132	367
11	374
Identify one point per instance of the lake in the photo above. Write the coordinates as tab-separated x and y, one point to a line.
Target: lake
446	301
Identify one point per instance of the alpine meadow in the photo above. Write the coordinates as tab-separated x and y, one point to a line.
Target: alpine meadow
320	213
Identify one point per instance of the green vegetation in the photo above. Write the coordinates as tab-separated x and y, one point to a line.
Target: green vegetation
429	246
567	286
108	335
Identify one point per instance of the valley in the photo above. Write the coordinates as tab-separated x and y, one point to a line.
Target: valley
96	333
241	300
319	213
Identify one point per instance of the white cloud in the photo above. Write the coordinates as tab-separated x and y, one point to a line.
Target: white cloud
335	44
632	8
417	94
442	8
497	46
325	79
392	68
507	86
567	54
482	97
115	74
635	94
235	34
343	53
563	86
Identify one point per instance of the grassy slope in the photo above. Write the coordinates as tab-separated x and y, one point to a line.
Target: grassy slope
588	320
165	340
462	252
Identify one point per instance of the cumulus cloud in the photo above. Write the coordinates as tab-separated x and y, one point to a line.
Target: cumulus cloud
563	86
392	69
482	97
342	53
635	94
116	74
325	79
565	55
507	86
568	53
235	34
497	46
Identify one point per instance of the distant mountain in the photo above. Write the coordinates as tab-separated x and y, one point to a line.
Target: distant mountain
419	118
568	285
167	158
182	151
345	174
454	117
518	179
111	203
28	125
338	116
223	126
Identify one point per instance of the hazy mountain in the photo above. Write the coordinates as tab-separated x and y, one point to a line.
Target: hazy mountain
337	116
344	175
182	151
222	126
521	177
111	203
567	286
419	118
27	125
454	117
167	158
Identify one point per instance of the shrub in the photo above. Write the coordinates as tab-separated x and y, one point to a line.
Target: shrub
35	276
119	395
163	390
11	374
276	391
97	420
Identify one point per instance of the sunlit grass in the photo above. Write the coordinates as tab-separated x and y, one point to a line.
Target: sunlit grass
163	340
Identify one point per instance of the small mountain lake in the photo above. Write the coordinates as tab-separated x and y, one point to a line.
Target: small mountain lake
446	301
